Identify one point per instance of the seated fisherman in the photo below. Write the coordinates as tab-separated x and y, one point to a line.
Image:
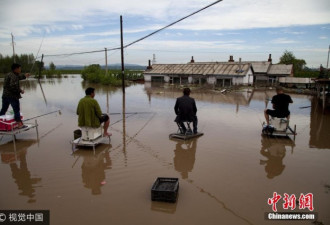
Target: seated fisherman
185	109
280	105
90	114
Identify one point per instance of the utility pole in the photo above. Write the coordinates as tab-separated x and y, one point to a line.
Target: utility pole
106	61
13	43
328	58
122	55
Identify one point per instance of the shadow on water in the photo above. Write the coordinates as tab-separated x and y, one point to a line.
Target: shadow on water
274	150
185	156
94	166
20	172
319	126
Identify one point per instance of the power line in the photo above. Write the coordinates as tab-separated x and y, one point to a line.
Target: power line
136	41
76	53
183	18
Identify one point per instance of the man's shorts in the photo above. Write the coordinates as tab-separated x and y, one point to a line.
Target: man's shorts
274	113
104	118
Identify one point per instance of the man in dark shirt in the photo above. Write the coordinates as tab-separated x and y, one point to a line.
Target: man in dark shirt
12	92
185	109
280	103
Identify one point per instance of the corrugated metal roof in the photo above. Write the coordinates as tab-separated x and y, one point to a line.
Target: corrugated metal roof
260	67
231	69
280	69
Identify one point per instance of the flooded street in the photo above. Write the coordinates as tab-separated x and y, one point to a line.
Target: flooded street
226	176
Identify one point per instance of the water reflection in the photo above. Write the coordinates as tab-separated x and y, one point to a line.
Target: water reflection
184	156
100	89
239	97
274	150
163	207
29	84
17	162
319	126
94	166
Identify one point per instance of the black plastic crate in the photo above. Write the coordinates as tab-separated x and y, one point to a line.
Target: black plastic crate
165	189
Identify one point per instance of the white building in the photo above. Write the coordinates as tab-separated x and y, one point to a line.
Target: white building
218	73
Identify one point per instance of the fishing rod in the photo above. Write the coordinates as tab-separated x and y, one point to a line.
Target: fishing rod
59	111
43	37
130	113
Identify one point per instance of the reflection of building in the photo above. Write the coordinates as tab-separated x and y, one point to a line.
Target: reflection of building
319	126
93	169
19	169
274	150
236	98
184	158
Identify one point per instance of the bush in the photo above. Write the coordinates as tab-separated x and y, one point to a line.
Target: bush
95	74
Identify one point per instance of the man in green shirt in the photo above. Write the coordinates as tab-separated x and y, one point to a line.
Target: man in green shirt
90	114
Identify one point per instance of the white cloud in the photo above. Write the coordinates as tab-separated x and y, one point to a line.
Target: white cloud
323	37
77	25
283	41
239	14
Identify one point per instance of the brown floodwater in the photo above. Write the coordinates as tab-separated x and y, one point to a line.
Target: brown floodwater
225	176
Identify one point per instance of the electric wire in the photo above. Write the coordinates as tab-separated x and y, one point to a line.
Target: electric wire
138	40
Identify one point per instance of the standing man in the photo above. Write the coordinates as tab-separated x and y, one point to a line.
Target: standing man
280	103
185	109
12	92
90	114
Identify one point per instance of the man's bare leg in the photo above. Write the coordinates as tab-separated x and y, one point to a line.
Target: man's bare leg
266	116
106	126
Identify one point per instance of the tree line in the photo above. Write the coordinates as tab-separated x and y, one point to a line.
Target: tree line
27	61
299	66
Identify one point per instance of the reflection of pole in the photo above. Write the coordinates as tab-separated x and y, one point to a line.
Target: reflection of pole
13	43
124	127
40	67
122	55
107	101
106	61
42	91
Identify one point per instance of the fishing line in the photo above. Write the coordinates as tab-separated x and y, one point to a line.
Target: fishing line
122	119
142	127
154	154
59	111
131	113
38	52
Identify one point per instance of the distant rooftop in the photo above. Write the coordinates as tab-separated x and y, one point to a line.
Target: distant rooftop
217	68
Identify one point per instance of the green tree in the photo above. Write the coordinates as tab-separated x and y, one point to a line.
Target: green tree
289	58
52	66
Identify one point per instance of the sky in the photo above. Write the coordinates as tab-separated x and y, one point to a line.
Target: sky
245	29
